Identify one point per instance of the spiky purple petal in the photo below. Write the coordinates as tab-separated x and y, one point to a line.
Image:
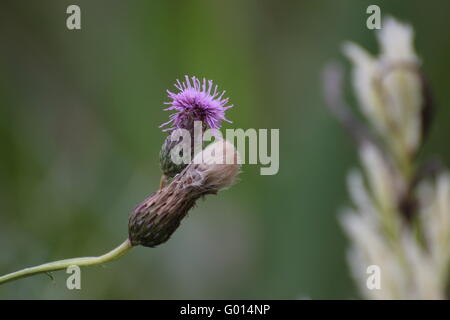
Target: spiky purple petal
196	102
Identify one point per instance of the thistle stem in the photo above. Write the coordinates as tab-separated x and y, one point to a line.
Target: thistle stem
63	264
162	181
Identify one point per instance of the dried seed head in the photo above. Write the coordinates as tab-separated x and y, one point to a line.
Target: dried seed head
218	164
391	88
157	218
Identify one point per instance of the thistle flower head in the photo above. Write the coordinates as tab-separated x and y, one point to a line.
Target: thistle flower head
196	101
159	216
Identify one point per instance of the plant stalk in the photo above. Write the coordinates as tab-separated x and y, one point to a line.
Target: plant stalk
63	264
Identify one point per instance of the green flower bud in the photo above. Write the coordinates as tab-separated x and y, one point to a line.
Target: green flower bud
168	167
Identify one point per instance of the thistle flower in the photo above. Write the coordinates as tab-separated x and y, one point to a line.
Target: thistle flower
157	218
196	102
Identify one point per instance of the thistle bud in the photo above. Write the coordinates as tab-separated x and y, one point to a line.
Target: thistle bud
157	218
168	167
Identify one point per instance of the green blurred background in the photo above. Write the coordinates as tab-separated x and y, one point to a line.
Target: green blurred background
79	137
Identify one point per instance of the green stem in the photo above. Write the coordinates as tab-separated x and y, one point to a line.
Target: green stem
63	264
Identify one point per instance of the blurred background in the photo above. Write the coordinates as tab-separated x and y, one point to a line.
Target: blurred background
79	138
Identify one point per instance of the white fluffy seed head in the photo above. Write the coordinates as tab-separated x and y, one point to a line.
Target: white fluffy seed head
218	165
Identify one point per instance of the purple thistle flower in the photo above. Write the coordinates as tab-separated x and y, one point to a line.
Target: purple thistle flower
196	102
